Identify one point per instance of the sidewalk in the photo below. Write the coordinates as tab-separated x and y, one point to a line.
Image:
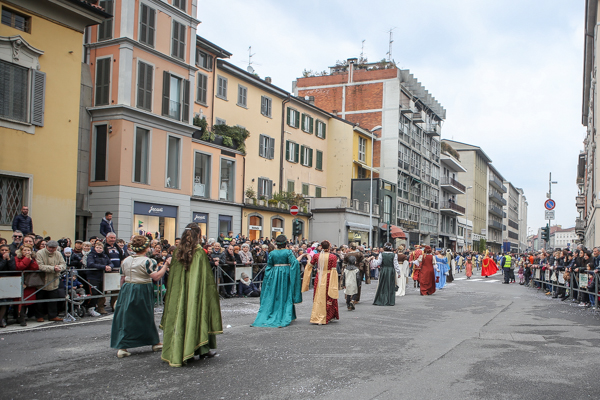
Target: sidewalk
33	325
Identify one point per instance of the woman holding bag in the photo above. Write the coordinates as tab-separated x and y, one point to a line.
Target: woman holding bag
26	262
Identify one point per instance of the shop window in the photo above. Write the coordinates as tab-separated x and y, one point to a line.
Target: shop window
225	222
99	152
141	156
276	227
173	153
202	168
226	186
202	220
255	227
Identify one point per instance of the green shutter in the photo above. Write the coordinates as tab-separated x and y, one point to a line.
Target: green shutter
296	151
303	122
302	155
319	160
288	115
310	128
324	129
297	120
166	92
310	156
287	147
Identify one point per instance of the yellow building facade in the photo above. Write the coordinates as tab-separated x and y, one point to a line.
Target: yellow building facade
40	58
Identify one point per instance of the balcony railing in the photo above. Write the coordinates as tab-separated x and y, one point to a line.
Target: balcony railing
580	201
497	211
579	225
449	181
497	183
450	205
495	225
497	197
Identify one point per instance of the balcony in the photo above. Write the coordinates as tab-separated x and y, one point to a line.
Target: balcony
497	183
579	226
452	185
432	130
497	198
495	225
497	211
580	202
450	207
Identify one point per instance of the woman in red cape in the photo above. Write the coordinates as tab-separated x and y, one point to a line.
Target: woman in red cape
489	267
427	275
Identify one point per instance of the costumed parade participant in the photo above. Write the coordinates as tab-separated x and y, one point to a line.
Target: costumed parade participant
364	270
133	322
415	259
192	313
325	304
350	282
489	267
403	277
452	266
469	266
386	289
441	270
427	274
280	288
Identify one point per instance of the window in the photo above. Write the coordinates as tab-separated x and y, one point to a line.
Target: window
266	147
227	176
362	149
222	87
202	88
361	172
16	20
147	25
144	89
291	151
180	4
291	186
105	29
173	152
265	106
12	198
317	192
265	188
176	94
319	163
293	118
103	66
306	155
305	189
202	175
141	156
321	128
307	123
220	121
19	102
242	100
204	60
387	209
99	152
178	43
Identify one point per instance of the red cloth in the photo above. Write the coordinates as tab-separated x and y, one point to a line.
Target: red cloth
27	264
331	304
488	267
427	276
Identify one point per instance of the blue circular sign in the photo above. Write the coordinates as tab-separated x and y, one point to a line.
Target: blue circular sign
549	204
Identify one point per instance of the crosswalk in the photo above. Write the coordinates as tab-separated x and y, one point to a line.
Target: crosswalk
484	280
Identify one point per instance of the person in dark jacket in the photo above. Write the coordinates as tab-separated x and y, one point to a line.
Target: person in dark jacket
247	288
7	263
106	225
23	222
17	242
98	263
230	261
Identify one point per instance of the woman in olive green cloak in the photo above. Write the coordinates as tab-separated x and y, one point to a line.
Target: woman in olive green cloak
192	314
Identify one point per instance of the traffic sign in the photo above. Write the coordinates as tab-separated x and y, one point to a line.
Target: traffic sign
294	210
549	204
549	215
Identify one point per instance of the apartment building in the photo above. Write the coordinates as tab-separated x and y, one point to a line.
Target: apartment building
523	228
450	210
564	238
511	237
406	119
496	213
40	70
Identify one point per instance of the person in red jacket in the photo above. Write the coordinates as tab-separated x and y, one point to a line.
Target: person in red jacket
26	262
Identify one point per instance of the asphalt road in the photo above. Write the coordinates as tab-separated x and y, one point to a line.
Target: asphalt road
474	339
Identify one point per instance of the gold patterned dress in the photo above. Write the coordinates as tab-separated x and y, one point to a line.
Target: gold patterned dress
325	296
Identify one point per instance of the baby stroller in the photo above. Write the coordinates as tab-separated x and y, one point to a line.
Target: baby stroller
76	300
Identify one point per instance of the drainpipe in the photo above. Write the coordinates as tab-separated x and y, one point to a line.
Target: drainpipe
243	196
282	148
212	109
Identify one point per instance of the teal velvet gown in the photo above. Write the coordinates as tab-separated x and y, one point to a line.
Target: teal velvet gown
280	290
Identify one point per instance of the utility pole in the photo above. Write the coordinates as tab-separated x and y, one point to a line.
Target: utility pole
550	183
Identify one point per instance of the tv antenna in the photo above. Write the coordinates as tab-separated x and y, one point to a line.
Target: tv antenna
389	53
250	54
362	51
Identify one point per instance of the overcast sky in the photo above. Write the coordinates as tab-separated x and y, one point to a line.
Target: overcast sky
509	73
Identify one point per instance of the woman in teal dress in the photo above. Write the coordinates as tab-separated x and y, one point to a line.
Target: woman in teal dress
441	271
133	323
280	288
386	287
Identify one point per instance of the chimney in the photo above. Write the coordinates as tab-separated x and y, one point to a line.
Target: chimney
351	62
268	79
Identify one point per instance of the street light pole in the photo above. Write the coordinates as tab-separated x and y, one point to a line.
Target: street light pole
378	127
550	183
467	214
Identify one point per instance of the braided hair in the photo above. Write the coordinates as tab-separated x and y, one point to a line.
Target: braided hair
187	245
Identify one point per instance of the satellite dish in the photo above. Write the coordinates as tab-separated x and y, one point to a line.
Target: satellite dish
250	69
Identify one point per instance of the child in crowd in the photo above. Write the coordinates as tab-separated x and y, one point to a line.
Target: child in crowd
521	273
350	282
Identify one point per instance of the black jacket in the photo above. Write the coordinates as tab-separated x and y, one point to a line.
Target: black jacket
97	263
22	223
7	265
106	227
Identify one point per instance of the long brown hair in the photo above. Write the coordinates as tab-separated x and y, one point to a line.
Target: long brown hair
187	245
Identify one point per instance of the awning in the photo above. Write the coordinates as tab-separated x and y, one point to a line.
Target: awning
395	232
355	226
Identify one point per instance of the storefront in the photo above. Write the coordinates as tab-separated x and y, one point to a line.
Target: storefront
157	219
358	233
202	220
276	227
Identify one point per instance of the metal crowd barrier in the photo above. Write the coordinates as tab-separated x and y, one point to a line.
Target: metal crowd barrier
544	280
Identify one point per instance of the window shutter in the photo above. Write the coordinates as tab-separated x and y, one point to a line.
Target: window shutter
175	39
302	155
297	120
182	41
287	148
324	129
149	75
288	116
310	128
260	187
151	18
270	188
261	146
185	116
310	157
271	148
303	125
166	92
296	150
319	164
38	97
143	23
141	83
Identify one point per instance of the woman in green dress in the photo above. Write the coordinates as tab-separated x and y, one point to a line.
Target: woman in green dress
192	315
386	287
133	323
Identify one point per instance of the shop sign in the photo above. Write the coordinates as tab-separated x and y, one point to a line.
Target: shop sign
158	210
276	229
404	223
200	218
255	227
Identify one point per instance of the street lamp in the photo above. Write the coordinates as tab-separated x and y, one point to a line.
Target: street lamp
467	214
373	139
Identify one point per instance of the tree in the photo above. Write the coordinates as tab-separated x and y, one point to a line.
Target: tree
482	246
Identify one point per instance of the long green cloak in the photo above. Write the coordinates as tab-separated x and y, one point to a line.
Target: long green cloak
192	312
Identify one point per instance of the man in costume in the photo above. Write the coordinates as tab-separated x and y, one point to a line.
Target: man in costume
325	303
415	259
280	288
364	270
489	267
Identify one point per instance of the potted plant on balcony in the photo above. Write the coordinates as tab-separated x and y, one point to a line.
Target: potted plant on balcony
272	202
250	195
261	201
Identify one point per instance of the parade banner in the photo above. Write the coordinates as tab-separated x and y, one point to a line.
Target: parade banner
537	274
547	275
561	279
583	280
